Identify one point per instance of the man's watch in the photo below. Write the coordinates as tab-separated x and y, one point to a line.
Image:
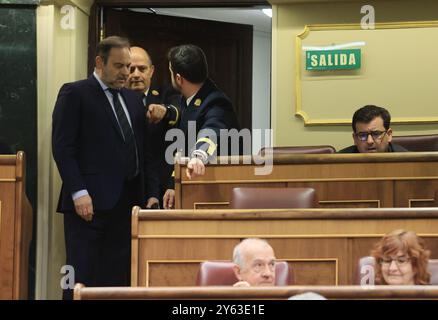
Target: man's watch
201	155
168	112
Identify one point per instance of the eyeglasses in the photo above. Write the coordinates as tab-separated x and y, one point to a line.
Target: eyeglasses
376	135
402	260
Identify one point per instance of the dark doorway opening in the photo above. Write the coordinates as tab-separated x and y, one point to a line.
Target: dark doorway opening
228	47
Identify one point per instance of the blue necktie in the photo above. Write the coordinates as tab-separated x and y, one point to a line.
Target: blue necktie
128	136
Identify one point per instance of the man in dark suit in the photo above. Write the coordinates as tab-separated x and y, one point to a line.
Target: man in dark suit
140	80
372	131
97	141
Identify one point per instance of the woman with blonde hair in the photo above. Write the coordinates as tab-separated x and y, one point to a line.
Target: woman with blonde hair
401	259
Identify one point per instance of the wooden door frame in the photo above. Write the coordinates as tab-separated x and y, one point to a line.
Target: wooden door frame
183	3
93	33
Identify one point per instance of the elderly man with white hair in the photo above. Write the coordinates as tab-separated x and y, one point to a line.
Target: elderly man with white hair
254	261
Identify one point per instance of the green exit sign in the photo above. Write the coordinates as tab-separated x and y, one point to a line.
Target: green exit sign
333	59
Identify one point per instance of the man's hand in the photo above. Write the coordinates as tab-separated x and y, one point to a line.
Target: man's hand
84	207
156	113
241	284
195	167
152	203
169	199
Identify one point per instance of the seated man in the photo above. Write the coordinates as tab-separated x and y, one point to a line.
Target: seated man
254	263
372	132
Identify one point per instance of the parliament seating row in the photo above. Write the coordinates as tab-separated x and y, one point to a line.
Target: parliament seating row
271	293
321	246
273	198
415	143
427	142
220	273
405	179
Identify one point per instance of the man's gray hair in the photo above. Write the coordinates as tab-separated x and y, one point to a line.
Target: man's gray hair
104	46
237	252
307	296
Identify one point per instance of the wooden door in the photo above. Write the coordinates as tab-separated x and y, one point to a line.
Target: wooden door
228	48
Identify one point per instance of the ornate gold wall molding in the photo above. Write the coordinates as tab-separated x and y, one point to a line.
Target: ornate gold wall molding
311	117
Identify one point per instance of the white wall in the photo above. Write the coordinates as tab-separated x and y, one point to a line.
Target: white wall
261	89
61	57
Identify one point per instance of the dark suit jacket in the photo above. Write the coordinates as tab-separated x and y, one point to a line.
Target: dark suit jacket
158	168
88	146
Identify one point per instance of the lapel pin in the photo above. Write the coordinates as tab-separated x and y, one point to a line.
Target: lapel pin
197	102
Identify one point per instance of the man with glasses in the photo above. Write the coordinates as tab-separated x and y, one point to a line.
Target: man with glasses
372	132
254	261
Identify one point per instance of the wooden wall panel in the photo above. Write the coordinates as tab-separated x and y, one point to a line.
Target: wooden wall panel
341	180
271	293
15	228
415	193
351	194
171	273
314	273
323	244
7	206
174	253
325	254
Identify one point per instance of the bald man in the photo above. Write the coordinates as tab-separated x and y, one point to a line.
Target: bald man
254	261
141	71
140	80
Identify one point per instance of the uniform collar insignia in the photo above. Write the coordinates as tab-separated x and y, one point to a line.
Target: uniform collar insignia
197	102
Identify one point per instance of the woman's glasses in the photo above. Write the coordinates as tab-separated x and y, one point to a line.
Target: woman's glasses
386	261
